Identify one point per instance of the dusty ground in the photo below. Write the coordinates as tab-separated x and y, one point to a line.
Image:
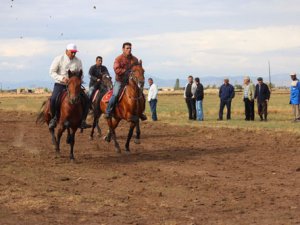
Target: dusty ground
178	175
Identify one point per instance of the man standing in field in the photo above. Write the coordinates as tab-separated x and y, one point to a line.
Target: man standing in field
152	98
248	97
199	95
226	94
189	95
295	96
262	94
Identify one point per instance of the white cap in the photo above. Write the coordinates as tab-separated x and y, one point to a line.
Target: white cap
72	47
293	74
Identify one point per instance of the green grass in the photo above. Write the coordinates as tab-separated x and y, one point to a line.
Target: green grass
172	109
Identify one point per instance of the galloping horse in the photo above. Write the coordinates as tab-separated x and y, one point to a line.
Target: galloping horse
129	108
105	86
71	110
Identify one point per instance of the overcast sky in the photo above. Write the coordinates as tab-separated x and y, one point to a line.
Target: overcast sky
174	38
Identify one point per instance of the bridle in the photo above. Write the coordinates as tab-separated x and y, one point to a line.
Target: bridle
73	100
139	84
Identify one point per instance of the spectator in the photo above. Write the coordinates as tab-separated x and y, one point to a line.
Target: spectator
189	95
199	95
295	96
226	94
248	96
262	94
152	98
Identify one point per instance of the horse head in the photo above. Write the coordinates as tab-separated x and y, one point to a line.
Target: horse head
107	81
137	74
74	86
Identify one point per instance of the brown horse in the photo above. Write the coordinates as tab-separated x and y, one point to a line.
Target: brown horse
106	85
71	110
129	108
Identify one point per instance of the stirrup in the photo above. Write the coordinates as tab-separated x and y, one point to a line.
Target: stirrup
52	123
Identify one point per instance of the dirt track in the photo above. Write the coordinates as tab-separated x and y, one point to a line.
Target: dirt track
178	175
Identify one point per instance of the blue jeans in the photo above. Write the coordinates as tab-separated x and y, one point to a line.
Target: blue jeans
58	88
114	97
153	103
199	110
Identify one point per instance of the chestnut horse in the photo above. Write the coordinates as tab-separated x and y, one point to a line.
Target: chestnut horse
129	107
71	110
105	85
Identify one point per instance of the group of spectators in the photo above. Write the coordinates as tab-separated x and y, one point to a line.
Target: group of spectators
193	94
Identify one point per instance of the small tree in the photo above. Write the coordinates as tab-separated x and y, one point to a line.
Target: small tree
177	85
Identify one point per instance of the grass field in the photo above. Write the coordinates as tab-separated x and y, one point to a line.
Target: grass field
172	109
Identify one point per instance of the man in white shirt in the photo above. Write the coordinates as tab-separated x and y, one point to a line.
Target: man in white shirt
152	98
59	72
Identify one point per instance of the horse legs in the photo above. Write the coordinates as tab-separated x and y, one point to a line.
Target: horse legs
98	127
138	133
59	134
113	123
53	136
95	123
72	142
132	126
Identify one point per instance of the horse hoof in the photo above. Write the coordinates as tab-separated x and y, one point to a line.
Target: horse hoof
127	151
118	150
57	155
72	160
107	139
99	134
91	138
137	141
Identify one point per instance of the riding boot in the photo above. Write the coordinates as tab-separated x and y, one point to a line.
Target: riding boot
86	108
52	123
110	106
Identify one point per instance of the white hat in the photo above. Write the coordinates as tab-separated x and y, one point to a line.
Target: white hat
72	47
293	74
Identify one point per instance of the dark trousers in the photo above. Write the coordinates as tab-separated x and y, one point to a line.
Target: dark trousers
191	104
228	106
262	109
153	103
249	109
58	88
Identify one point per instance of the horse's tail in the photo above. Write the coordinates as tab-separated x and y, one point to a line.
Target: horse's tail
40	119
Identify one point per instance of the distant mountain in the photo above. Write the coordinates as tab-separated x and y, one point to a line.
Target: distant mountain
279	80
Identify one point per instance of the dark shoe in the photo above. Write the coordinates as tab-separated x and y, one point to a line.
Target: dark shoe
84	125
143	117
228	118
52	123
219	119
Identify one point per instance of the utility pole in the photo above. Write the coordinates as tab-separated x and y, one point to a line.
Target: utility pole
269	73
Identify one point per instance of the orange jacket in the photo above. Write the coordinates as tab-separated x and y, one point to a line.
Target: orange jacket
122	64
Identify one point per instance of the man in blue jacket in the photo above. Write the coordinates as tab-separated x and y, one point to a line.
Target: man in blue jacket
295	96
226	94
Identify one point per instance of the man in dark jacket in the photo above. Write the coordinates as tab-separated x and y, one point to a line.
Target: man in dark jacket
262	94
199	95
96	72
226	94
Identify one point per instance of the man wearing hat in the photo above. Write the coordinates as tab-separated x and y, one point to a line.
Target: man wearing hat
59	72
248	97
262	94
295	96
226	94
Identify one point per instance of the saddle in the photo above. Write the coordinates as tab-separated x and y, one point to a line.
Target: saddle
108	95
